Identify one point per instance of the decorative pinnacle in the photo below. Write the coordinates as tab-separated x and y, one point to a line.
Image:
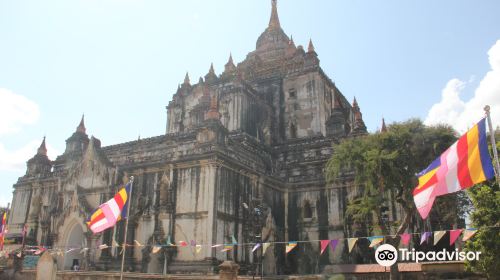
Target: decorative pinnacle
274	22
310	48
186	79
81	127
354	102
42	150
211	70
230	61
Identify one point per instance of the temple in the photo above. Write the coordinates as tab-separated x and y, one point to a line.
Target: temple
243	155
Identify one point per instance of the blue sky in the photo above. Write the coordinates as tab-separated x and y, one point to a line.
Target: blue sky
120	61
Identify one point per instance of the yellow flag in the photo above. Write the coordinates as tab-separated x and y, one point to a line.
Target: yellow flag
198	249
156	249
351	242
438	235
264	247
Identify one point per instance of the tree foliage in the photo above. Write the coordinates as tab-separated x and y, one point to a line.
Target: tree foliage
383	167
486	216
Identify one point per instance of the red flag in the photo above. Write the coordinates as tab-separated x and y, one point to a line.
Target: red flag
454	234
324	245
405	238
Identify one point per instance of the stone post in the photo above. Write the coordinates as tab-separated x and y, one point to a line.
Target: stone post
46	268
228	270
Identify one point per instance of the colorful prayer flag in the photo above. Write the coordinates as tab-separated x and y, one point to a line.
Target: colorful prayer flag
424	237
324	244
256	247
156	249
375	240
333	244
169	242
110	212
198	248
405	238
351	242
438	235
468	233
289	247
462	165
264	247
454	234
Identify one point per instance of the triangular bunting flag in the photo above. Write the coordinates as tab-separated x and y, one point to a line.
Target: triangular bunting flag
333	244
405	238
424	237
193	243
169	242
375	240
468	233
156	249
183	243
137	243
103	246
289	247
115	244
233	239
438	235
454	234
351	242
198	249
217	245
256	247
227	248
324	245
264	247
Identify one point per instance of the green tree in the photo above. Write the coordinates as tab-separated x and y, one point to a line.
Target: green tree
486	216
382	167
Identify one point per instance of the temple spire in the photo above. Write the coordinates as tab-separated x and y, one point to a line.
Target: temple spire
211	70
310	48
42	150
186	79
81	127
230	64
274	21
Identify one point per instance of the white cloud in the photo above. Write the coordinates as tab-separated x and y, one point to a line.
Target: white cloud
16	160
462	114
16	111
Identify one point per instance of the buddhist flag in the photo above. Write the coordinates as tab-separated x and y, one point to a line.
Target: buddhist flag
462	165
351	242
290	246
438	235
110	212
454	234
469	233
3	229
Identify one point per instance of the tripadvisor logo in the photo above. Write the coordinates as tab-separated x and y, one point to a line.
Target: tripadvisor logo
387	255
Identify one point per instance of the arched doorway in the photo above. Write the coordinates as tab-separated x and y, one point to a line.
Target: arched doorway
75	240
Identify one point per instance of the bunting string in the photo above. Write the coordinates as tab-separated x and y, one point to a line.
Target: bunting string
374	241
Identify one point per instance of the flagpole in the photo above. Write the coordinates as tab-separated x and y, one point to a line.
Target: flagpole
493	143
129	201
